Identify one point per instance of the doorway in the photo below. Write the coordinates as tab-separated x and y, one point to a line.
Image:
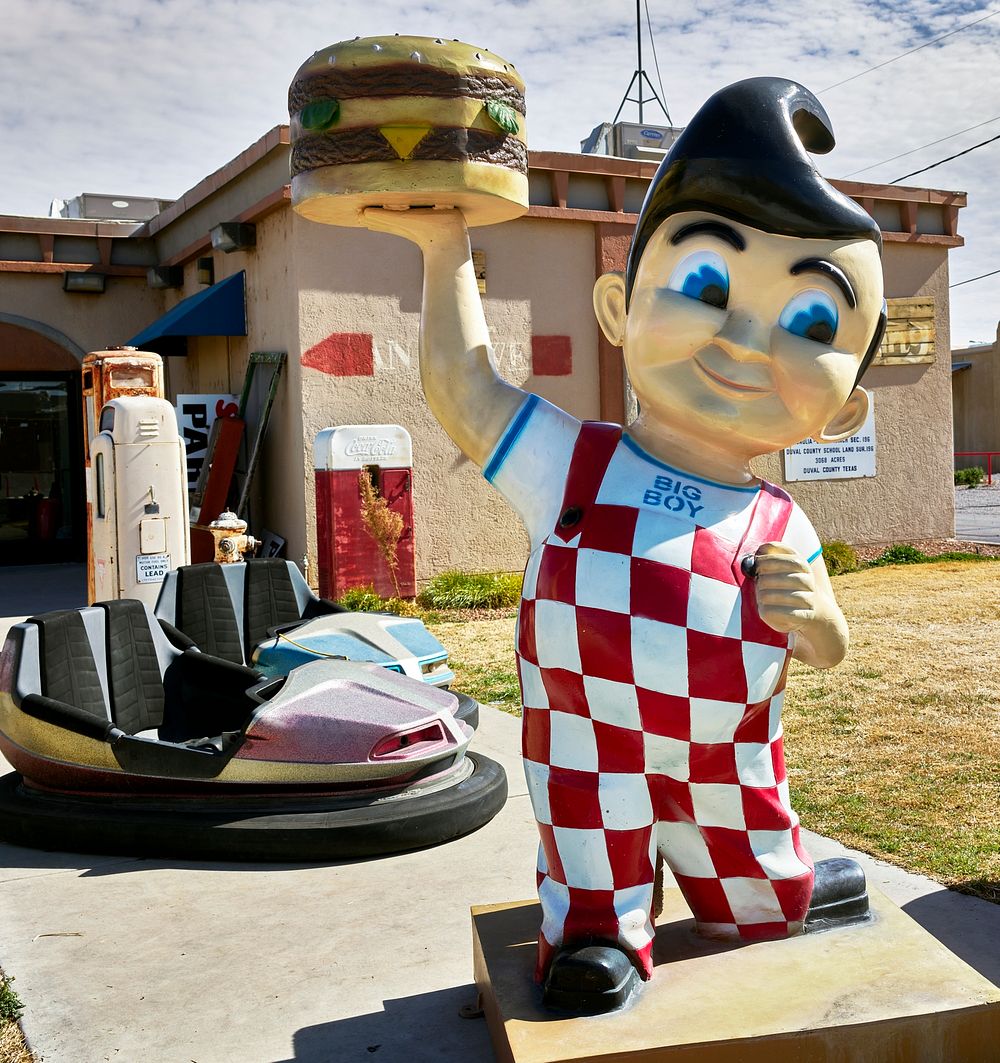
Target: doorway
41	469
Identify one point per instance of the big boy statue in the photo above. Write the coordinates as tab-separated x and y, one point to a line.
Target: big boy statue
667	586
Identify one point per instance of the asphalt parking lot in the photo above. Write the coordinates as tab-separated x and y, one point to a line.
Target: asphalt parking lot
977	513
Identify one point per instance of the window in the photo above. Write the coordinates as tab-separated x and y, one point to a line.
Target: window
127	377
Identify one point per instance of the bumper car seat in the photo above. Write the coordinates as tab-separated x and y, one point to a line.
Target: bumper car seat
262	613
108	672
227	610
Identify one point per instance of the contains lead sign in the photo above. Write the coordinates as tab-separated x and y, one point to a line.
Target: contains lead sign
151	568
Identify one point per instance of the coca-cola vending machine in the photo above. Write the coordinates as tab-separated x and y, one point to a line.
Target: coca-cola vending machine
350	555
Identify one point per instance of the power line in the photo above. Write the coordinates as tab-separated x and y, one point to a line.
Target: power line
656	64
926	44
941	162
958	284
913	151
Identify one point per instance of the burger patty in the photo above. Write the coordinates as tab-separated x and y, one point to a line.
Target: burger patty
440	145
400	79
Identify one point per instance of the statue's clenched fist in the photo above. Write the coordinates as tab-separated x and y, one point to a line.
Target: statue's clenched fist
786	587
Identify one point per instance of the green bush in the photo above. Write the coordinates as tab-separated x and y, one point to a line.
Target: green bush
901	554
971	477
361	599
10	1005
366	600
839	557
472	590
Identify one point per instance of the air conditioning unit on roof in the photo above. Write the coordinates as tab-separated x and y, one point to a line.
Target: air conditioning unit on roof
630	140
98	207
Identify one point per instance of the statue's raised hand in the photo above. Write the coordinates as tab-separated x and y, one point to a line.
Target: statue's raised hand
428	227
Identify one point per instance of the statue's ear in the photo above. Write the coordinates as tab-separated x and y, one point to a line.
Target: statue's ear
849	419
609	306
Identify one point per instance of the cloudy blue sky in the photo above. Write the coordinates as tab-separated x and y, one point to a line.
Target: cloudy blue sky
145	97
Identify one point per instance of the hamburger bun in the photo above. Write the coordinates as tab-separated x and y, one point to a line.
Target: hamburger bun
407	122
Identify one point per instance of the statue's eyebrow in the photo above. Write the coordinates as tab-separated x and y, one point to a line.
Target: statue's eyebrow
828	269
710	228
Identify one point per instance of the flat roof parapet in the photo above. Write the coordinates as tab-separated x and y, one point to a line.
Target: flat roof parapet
904	214
564	186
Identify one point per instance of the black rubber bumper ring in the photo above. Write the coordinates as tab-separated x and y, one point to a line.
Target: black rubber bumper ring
288	830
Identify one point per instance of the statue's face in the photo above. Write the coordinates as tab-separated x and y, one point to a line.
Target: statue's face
744	339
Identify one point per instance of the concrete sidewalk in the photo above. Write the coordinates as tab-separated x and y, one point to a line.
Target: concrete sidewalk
138	960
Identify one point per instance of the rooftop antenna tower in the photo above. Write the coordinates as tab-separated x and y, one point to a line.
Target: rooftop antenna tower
640	75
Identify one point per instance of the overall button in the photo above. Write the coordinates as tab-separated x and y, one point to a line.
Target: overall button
571	517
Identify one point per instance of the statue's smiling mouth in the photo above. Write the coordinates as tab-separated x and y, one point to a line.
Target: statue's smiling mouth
728	384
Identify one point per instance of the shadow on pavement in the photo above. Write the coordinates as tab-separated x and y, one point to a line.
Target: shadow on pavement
98	865
968	926
417	1029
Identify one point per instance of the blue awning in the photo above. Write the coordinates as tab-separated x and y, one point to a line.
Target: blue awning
217	311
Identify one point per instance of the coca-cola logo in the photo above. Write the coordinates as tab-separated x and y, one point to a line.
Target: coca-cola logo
371	447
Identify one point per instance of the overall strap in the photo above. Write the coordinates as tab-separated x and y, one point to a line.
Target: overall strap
771	513
592	453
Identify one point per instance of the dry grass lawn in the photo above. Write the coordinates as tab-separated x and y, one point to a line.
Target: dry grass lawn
897	751
12	1046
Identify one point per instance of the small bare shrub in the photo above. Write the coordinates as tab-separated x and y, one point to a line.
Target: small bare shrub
382	524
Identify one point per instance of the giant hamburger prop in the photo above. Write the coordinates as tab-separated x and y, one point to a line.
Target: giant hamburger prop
403	122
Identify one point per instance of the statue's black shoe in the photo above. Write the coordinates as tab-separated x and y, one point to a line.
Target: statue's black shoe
840	895
589	979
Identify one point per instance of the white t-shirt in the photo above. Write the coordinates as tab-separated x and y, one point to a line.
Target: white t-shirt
531	460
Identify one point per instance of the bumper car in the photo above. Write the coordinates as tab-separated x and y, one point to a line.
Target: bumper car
123	742
262	613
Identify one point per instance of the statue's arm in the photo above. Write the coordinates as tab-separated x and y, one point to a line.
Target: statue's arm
461	384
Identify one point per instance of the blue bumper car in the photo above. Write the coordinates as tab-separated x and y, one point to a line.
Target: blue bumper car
262	613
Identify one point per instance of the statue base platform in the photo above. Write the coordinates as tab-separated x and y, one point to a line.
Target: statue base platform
880	990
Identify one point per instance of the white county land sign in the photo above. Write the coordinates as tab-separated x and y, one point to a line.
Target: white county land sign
852	458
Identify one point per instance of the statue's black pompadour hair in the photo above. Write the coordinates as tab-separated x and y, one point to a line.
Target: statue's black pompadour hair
744	156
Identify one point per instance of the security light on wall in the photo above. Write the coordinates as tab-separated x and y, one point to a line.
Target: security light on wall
234	236
205	271
84	282
165	277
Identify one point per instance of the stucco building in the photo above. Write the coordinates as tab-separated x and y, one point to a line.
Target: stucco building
975	386
344	304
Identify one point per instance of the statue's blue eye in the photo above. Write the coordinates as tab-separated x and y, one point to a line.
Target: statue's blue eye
703	276
811	314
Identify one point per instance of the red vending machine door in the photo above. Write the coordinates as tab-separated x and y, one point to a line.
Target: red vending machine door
397	489
348	554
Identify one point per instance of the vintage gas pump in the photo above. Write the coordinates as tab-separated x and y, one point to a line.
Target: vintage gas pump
348	555
110	374
138	491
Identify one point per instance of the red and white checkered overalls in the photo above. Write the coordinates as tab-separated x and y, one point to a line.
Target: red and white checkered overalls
652	722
